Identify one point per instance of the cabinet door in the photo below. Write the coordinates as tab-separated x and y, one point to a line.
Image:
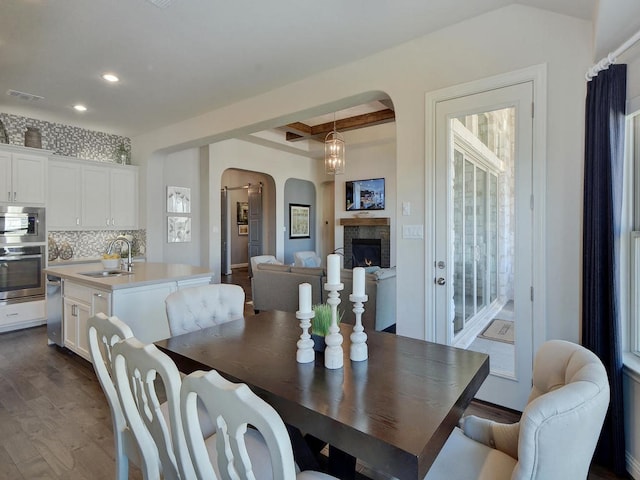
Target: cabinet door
124	195
95	197
6	190
101	303
29	179
70	324
63	205
83	313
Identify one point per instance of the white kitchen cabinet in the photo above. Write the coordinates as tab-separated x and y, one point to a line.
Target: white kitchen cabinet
92	195
79	303
22	315
23	175
64	205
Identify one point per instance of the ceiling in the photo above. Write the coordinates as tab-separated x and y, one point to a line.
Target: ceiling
197	55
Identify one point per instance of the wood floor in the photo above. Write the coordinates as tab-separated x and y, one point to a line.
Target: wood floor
55	422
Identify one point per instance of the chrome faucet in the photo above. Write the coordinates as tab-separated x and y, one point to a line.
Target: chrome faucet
122	238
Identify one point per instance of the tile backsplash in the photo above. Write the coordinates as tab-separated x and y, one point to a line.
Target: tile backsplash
66	139
93	243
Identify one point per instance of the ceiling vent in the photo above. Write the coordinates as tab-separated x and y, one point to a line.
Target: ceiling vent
160	3
29	97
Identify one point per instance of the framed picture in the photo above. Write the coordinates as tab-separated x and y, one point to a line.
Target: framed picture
178	229
299	218
242	213
243	229
178	200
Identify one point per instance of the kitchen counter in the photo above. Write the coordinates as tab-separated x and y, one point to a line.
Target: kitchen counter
143	273
138	298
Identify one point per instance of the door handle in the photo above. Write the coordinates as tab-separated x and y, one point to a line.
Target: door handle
440	281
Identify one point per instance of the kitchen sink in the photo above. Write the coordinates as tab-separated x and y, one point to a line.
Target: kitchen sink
106	273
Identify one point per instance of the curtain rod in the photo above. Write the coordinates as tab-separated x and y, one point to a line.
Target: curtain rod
611	58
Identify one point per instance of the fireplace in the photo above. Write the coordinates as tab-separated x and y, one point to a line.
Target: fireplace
366	252
361	230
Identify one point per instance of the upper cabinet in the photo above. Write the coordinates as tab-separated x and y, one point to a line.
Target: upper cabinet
23	175
92	195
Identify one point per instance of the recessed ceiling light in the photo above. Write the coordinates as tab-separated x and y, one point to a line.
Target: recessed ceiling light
110	77
80	108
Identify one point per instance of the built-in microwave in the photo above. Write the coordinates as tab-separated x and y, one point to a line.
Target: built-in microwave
22	224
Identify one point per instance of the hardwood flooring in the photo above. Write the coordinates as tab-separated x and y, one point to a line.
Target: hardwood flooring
55	421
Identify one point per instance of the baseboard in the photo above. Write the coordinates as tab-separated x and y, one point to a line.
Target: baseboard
239	265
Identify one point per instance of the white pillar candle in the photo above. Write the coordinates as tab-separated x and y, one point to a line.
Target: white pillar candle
304	297
358	281
333	269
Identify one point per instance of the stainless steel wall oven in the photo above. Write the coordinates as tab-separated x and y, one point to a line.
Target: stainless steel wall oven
22	273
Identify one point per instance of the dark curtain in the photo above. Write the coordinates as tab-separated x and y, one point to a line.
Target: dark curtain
603	168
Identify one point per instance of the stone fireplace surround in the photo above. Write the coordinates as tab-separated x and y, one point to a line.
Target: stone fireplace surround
363	228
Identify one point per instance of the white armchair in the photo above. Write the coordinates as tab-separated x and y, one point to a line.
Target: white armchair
558	431
200	307
306	259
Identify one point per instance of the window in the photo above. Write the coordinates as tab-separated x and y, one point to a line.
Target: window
633	250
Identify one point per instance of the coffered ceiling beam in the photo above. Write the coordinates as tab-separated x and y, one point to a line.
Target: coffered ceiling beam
300	131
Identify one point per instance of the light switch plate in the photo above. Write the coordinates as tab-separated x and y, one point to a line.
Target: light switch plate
413	231
406	208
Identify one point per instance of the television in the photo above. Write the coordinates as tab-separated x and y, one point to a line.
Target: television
365	194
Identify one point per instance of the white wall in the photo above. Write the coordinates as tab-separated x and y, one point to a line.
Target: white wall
501	41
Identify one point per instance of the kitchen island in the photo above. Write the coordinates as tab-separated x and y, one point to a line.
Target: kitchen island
136	297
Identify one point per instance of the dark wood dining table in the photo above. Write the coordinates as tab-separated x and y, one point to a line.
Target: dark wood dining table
394	411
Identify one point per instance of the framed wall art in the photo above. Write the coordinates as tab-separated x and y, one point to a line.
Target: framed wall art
178	229
242	213
178	199
243	229
299	221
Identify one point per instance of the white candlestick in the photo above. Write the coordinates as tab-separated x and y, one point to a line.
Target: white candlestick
358	281
333	269
304	297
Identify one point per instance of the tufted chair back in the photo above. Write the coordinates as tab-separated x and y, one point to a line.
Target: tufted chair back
200	307
561	423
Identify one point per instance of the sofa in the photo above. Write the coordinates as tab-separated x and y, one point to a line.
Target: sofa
275	287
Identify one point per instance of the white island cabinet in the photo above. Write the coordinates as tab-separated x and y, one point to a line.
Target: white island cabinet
137	298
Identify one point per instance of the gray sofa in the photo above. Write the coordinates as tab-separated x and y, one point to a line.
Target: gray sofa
275	287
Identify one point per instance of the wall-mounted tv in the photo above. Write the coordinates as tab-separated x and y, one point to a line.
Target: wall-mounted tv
365	194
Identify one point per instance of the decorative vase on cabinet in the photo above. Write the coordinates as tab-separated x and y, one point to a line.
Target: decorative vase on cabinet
32	138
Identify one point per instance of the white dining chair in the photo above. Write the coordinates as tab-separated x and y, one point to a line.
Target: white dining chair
200	307
104	332
137	369
244	422
556	435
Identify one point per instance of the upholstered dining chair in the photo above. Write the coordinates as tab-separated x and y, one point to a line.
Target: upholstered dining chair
200	307
104	333
306	259
234	407
556	435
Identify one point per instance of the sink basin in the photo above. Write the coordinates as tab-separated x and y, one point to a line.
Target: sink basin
106	273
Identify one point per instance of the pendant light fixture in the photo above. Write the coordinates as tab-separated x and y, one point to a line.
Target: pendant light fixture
334	160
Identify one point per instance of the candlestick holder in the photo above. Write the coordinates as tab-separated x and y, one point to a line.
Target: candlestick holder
359	350
333	353
305	353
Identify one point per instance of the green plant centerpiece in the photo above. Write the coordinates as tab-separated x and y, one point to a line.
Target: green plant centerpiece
320	324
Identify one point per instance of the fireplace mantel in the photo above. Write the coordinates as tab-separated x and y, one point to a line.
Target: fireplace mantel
365	221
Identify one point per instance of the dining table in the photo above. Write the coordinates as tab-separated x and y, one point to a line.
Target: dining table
393	411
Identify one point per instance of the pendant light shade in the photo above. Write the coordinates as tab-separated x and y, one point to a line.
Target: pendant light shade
334	160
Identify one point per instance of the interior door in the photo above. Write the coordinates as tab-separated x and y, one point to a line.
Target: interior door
483	272
255	221
224	233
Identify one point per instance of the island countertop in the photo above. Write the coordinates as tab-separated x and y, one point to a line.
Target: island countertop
143	273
